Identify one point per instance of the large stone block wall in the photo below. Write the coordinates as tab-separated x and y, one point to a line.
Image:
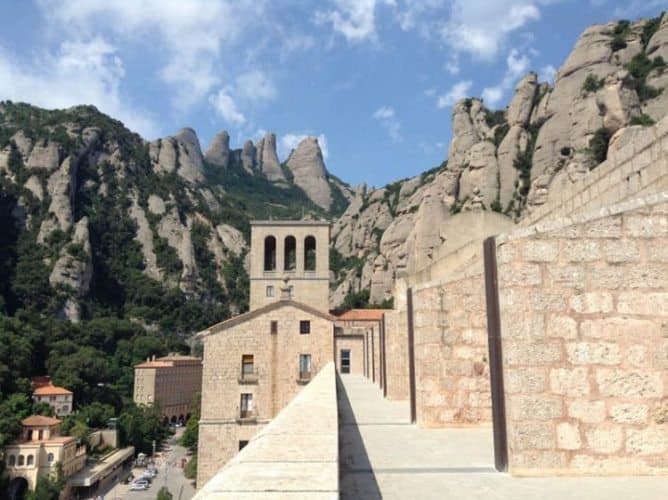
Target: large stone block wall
584	321
636	167
451	353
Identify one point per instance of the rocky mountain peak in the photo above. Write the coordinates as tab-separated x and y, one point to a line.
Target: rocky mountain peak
218	152
309	172
180	153
267	159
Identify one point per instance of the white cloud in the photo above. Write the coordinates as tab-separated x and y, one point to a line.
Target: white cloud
480	27
411	14
387	118
516	65
76	73
255	85
458	91
431	92
187	36
290	141
452	64
354	19
547	73
226	107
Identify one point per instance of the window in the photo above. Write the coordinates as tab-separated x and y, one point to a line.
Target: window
304	327
242	445
290	253
246	406
247	365
12	460
40	435
49	458
304	366
270	253
31	460
345	360
52	398
270	291
291	291
309	253
274	327
21	460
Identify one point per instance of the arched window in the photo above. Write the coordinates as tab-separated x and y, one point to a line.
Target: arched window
290	253
21	460
30	460
309	253
12	460
270	253
49	458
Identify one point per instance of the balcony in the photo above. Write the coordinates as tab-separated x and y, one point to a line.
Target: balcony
248	377
247	417
305	377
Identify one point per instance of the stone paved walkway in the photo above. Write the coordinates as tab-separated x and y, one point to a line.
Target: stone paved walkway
383	456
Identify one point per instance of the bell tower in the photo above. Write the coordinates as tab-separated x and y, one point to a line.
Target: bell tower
289	260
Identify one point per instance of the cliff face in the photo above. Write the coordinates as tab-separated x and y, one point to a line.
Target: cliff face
79	185
508	161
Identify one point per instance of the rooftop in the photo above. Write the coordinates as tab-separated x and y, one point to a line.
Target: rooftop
39	420
289	223
362	315
169	361
50	390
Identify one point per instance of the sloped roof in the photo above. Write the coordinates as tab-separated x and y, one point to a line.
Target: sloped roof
155	364
38	420
50	390
242	318
362	315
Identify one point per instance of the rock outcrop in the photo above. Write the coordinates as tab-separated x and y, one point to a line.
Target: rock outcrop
218	152
309	173
180	153
267	160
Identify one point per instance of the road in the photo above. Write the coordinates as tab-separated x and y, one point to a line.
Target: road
170	474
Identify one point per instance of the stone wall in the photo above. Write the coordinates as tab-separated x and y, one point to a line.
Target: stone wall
451	353
396	350
637	165
296	453
584	321
276	361
355	343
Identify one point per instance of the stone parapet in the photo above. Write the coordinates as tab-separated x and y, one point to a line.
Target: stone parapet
294	456
636	168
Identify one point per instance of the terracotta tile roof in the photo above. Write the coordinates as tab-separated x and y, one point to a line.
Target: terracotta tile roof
362	315
50	390
35	420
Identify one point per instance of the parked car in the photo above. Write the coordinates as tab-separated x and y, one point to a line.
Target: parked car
140	485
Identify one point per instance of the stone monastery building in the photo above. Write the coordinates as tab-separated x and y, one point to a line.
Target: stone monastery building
256	363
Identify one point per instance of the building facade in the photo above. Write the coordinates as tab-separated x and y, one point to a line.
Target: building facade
58	398
292	251
256	363
39	452
172	382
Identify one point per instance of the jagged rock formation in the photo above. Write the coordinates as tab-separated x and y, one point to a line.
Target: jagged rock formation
267	159
180	154
218	152
309	172
512	160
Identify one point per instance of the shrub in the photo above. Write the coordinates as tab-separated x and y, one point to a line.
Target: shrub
619	34
592	83
648	30
644	120
598	145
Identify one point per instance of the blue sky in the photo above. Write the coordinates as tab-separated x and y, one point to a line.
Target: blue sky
375	80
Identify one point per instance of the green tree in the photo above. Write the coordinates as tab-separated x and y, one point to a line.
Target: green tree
190	470
190	436
164	494
140	426
48	487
